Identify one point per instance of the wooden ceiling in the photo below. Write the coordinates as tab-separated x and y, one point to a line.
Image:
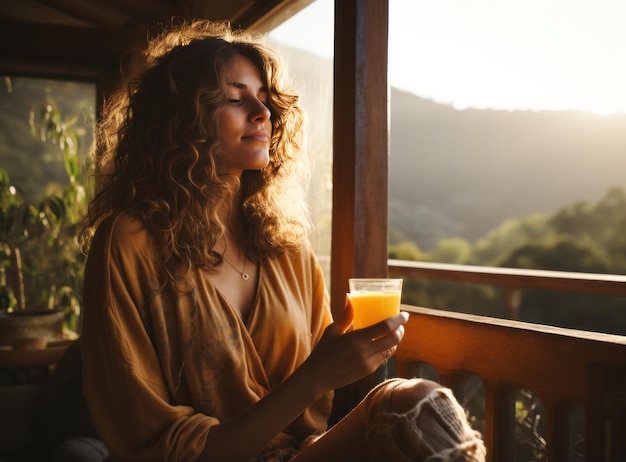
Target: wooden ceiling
87	38
116	14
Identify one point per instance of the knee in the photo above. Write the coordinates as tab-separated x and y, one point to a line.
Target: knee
416	419
409	392
400	395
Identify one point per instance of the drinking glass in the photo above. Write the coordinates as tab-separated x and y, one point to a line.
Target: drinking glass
374	299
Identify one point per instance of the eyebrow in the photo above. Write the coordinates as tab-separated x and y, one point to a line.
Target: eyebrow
243	86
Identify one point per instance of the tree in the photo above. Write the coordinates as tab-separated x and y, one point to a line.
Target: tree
564	253
453	250
508	236
407	251
565	309
602	223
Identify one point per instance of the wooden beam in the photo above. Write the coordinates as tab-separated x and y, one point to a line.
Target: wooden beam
58	47
592	283
361	159
78	53
361	144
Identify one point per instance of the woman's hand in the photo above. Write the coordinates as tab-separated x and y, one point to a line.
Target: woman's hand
343	356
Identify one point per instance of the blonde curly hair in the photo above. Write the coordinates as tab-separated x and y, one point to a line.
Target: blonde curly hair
157	157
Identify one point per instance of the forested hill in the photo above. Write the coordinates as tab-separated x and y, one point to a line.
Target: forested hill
461	173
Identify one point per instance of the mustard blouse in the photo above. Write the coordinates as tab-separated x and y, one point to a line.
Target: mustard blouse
161	367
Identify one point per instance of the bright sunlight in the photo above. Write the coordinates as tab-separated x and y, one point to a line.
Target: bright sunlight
499	54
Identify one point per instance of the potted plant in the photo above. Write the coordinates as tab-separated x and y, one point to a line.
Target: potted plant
41	263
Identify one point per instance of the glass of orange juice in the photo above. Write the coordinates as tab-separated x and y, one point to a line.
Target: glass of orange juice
374	299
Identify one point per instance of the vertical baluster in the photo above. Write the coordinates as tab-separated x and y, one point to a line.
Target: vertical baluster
554	433
490	411
605	422
503	445
562	431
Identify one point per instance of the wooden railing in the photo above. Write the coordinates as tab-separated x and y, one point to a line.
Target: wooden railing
607	284
565	369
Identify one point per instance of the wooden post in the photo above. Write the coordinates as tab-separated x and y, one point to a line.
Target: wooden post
361	144
361	153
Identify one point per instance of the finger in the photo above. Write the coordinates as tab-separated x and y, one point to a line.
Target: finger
384	327
346	316
389	352
344	320
387	345
391	339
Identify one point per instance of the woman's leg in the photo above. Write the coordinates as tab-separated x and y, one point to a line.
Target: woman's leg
345	441
400	420
419	420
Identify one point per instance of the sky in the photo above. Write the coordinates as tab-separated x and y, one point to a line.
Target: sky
499	54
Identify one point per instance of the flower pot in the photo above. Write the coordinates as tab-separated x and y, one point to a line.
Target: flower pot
20	324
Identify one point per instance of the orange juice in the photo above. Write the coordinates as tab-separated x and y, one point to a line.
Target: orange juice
372	307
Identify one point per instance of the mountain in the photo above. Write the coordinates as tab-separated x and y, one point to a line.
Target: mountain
460	173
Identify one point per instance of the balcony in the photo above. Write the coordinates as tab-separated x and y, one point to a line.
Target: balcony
567	370
572	373
578	377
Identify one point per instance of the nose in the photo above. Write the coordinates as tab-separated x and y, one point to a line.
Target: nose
260	112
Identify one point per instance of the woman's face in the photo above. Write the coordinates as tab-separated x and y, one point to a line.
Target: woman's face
244	125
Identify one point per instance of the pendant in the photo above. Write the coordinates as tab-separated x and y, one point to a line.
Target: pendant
245	276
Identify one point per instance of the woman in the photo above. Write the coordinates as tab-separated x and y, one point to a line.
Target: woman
207	333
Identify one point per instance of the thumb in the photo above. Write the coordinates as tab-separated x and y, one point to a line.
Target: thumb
344	320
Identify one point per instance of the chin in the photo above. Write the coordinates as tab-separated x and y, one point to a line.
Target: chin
264	163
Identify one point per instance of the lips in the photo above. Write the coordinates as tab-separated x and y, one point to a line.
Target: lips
261	137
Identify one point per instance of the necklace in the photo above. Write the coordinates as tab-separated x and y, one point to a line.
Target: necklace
245	276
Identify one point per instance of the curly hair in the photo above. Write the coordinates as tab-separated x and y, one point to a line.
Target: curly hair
157	154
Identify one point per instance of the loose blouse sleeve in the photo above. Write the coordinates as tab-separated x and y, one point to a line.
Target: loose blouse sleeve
320	312
123	382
